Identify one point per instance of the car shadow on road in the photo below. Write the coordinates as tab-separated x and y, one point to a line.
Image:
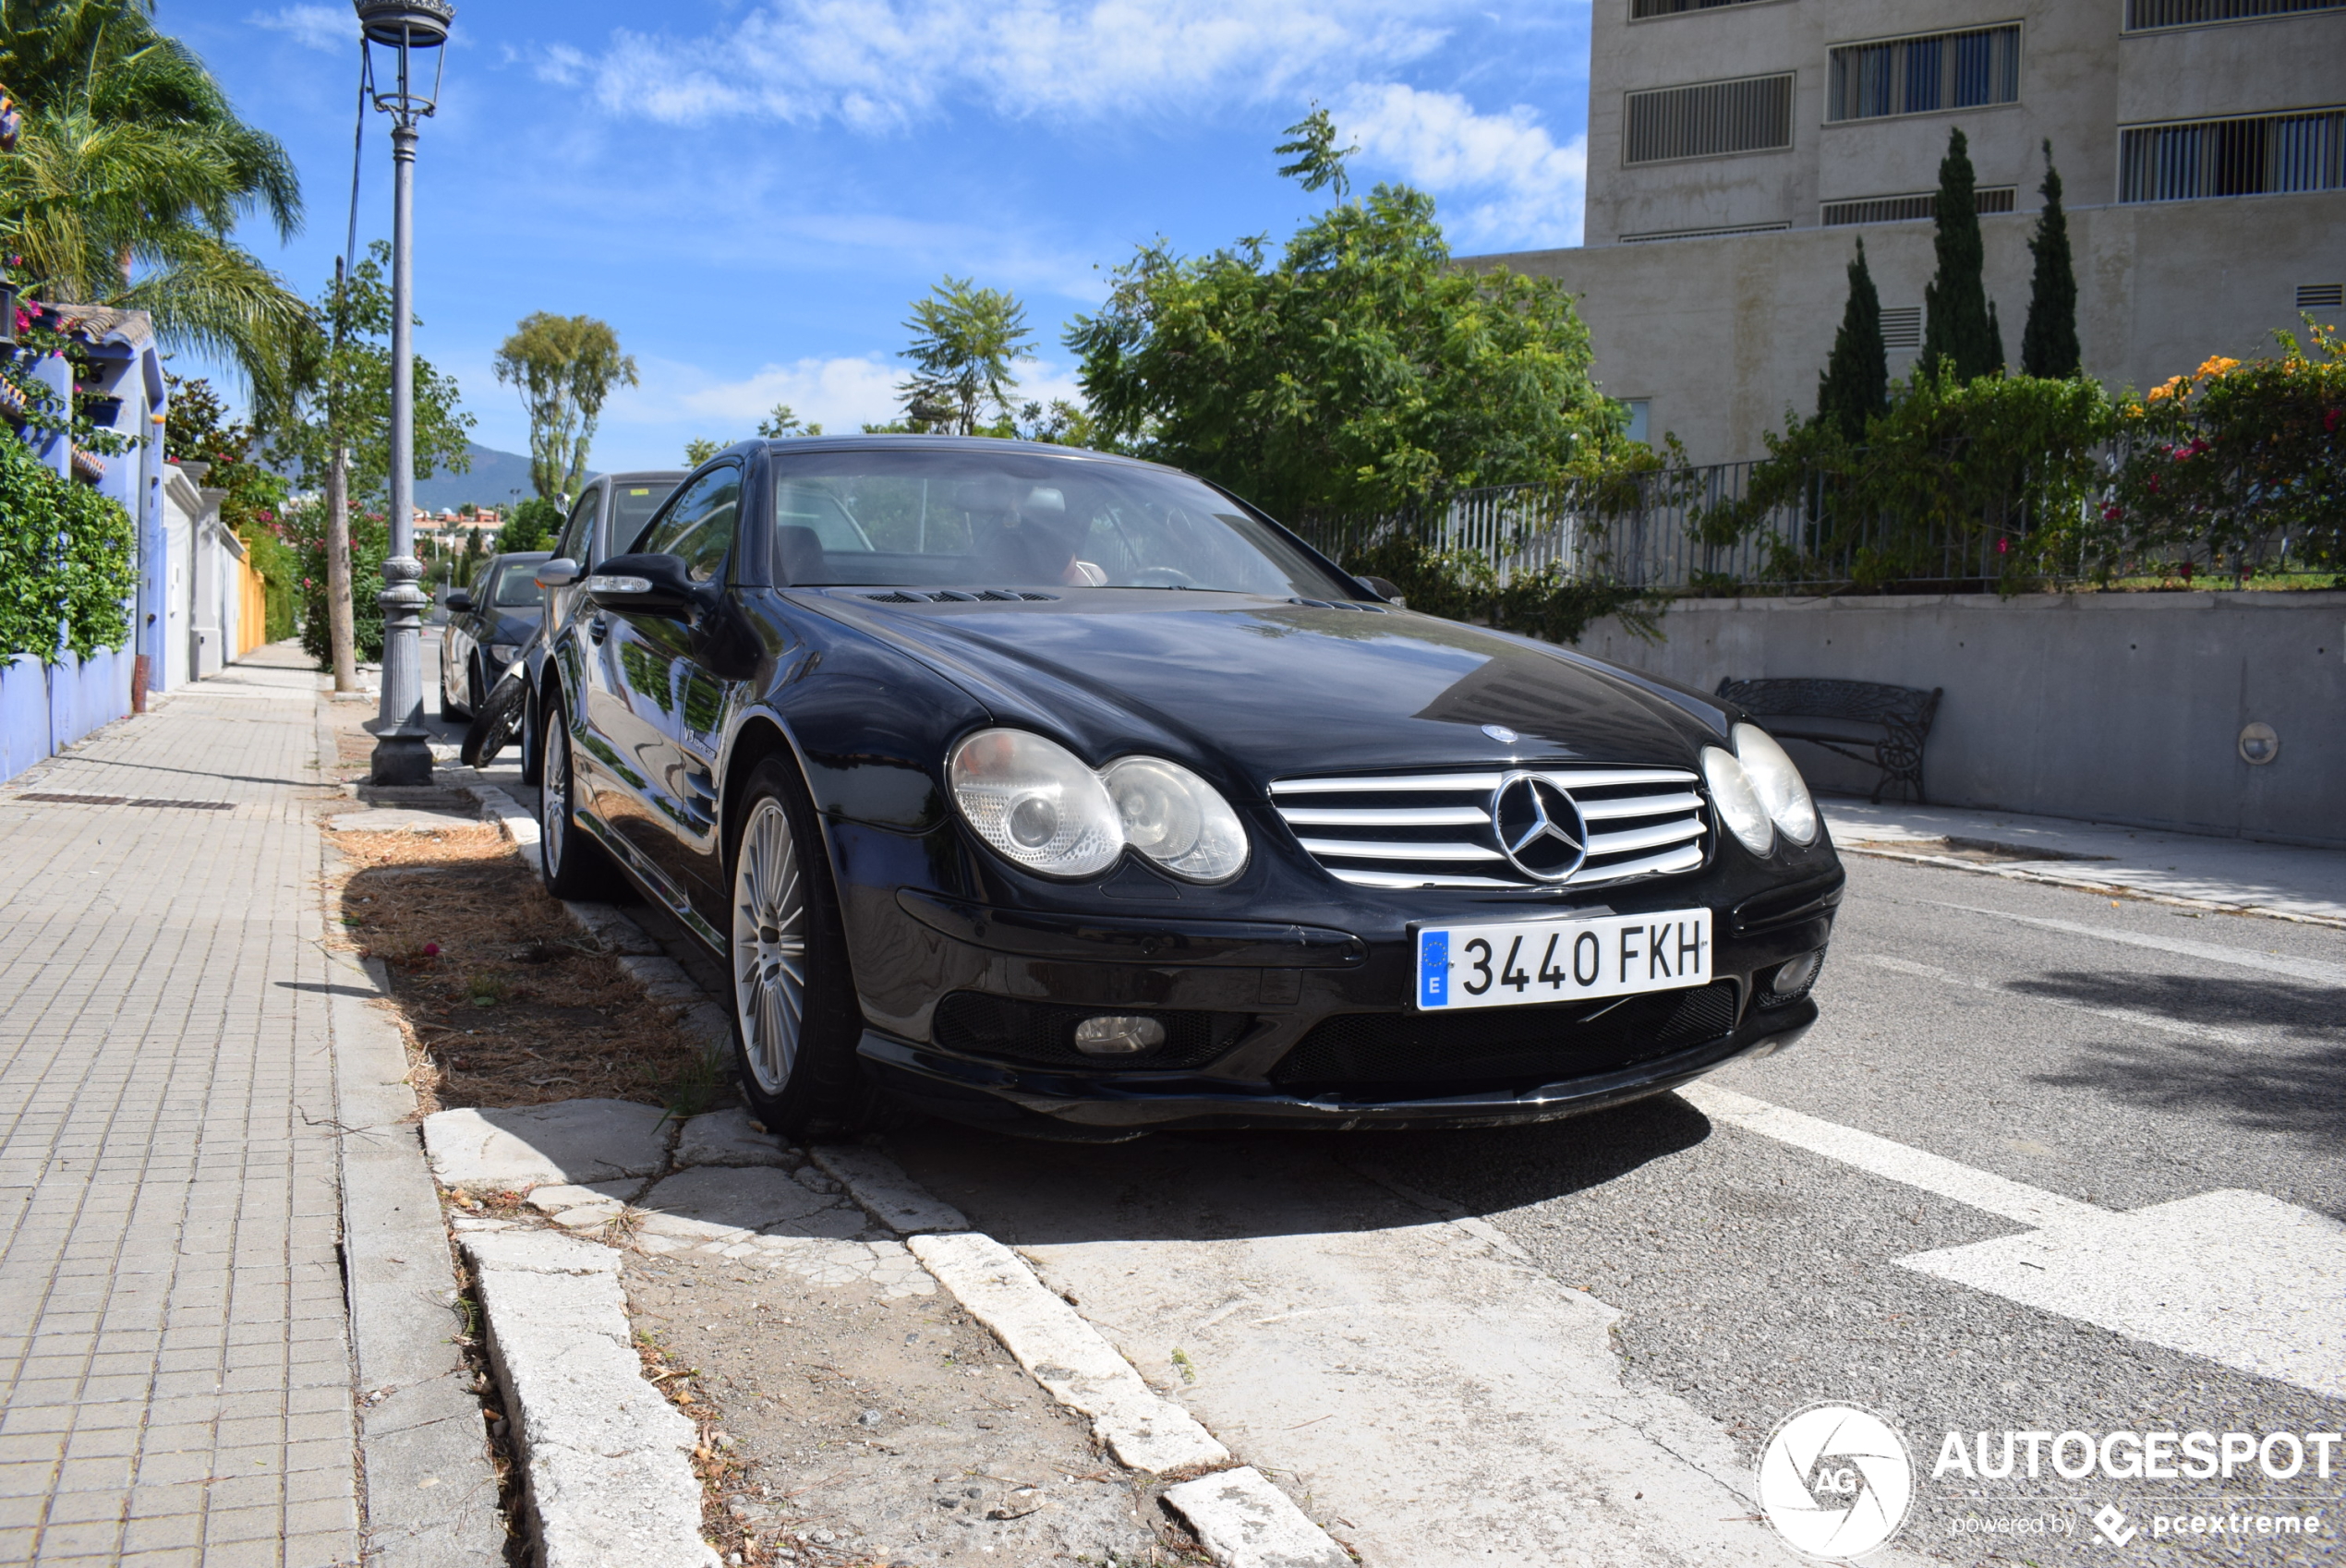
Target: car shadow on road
2292	1083
1213	1185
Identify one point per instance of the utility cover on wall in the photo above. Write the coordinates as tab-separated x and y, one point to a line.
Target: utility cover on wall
2258	744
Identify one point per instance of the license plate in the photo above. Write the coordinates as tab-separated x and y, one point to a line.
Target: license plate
1520	962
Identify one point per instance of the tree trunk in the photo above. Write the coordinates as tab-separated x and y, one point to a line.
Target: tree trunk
338	605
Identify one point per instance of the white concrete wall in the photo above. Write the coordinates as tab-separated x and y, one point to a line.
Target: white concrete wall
2115	707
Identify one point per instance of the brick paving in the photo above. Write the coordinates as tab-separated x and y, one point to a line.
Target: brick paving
174	1362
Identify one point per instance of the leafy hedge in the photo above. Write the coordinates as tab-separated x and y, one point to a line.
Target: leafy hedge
1462	586
66	561
370	547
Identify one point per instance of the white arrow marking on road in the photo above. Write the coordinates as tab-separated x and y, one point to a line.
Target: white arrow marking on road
2313	969
2238	1277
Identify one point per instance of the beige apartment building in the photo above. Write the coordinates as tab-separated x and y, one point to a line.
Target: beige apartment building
1739	148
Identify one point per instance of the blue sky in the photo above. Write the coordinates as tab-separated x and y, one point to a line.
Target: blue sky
752	193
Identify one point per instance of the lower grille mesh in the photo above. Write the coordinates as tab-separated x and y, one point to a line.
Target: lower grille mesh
1503	1047
1004	1029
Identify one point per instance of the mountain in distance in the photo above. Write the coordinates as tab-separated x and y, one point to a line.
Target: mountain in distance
497	479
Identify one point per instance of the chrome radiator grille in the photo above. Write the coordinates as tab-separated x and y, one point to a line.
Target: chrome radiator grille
1436	829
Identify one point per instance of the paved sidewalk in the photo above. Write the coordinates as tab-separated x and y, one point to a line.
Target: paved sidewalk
2240	874
172	1339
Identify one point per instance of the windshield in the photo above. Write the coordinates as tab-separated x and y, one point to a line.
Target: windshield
518	585
983	520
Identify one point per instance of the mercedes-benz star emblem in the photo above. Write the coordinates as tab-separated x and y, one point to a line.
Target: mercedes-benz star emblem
1539	827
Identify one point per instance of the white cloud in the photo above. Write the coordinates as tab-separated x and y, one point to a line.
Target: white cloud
882	65
329	27
1518	186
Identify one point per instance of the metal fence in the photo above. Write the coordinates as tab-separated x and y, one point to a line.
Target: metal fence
1645	531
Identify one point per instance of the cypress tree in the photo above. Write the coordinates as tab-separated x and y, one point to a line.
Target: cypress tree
1955	327
1855	383
2049	342
1996	337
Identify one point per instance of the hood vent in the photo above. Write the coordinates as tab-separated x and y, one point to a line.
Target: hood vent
957	595
1435	830
1343	604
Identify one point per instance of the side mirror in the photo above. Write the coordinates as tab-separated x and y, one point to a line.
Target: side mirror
1385	590
458	600
653	583
559	573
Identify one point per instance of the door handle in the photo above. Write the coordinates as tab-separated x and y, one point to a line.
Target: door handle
596	626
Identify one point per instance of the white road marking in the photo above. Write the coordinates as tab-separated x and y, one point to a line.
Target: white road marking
1898	1161
2237	1277
2014	993
2313	969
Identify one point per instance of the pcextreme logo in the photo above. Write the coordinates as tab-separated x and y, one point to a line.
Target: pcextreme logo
1835	1481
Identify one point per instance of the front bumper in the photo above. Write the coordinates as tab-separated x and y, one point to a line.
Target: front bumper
1101	1107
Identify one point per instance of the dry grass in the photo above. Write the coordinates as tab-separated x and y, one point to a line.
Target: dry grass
504	1002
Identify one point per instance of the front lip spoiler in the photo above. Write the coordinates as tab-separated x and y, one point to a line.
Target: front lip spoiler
961	1089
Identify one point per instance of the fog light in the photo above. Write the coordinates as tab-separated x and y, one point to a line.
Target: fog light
1114	1034
1793	978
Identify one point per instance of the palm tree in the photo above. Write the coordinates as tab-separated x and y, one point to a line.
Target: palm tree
130	174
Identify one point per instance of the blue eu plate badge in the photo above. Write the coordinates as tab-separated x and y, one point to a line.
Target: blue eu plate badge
1433	968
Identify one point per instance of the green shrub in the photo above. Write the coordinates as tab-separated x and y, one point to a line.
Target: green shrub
66	561
370	547
1462	586
533	524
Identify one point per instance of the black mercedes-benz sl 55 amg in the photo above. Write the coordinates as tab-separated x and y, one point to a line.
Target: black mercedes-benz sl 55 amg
1070	794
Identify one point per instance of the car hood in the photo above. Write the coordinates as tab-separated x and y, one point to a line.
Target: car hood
1268	688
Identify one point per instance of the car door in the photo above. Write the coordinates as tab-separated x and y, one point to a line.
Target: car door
659	711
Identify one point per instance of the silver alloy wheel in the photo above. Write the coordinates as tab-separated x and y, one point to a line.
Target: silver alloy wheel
554	798
770	945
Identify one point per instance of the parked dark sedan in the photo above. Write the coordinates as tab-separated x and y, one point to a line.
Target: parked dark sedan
489	624
1072	794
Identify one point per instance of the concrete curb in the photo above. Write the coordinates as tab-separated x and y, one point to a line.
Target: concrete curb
520	827
2087	885
1067	1355
887	1194
1245	1522
430	1494
606	1461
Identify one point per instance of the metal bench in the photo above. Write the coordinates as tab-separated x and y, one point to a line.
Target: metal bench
1883	726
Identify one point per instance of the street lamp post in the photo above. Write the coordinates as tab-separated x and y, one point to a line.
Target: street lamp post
403	750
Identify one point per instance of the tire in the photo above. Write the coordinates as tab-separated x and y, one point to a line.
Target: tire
795	1017
573	864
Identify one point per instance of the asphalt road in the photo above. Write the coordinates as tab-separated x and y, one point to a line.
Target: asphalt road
2122	1056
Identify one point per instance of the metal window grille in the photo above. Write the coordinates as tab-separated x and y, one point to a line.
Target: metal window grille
1753	115
2321	297
1919	75
1902	326
2256	155
1640	9
1704	233
1904	208
2145	15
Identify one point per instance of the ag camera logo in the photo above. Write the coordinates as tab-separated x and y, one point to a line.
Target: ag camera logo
1835	1481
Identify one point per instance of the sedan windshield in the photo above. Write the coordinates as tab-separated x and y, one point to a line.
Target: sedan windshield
960	519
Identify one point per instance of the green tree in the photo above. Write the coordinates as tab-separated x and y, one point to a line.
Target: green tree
781	424
531	526
1319	162
130	174
1360	370
565	368
964	341
700	450
1855	387
1957	330
2048	340
200	430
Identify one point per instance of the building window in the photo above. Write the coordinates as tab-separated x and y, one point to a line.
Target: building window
1717	117
1901	326
1905	208
2142	16
1640	9
2256	155
1640	409
1926	75
1705	234
2321	297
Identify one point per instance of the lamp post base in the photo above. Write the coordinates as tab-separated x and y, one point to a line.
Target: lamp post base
401	760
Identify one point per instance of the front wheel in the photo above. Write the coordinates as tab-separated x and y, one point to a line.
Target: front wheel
573	865
795	1017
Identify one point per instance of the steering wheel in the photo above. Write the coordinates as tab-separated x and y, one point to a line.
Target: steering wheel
1162	577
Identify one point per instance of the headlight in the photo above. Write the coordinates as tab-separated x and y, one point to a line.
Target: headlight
1738	802
1035	803
1778	782
504	652
1177	819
